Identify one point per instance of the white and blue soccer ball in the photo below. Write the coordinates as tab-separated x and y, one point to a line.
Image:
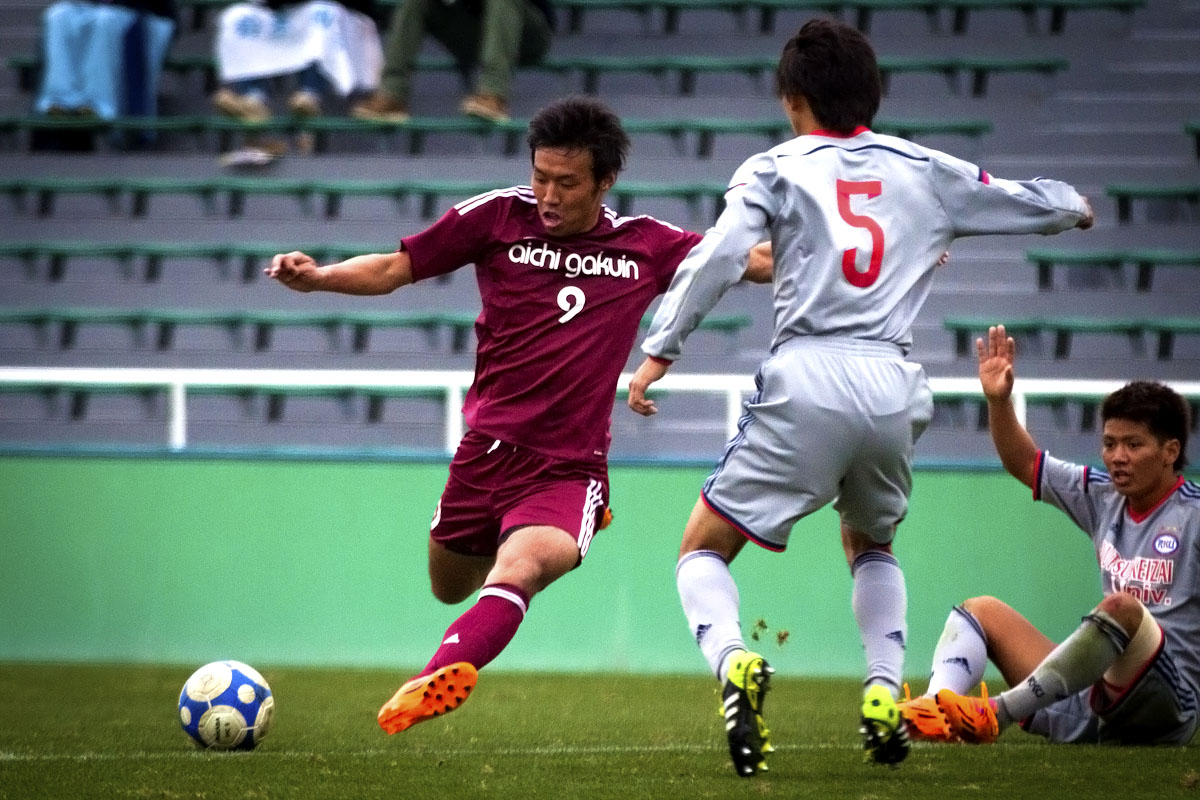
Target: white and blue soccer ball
226	705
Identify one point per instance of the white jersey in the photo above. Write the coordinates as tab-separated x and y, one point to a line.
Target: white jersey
1154	556
857	226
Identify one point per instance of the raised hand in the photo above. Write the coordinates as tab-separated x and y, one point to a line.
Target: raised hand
996	358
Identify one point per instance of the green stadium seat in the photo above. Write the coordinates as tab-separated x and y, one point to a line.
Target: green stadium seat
418	130
1168	330
432	193
1057	8
671	10
1145	260
252	255
46	189
260	325
694	194
1164	329
686	68
1126	193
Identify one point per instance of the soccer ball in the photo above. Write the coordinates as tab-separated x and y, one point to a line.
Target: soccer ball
226	705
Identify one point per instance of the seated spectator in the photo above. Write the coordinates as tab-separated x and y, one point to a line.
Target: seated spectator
494	36
327	46
104	58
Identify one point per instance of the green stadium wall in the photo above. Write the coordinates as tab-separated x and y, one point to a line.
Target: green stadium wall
309	562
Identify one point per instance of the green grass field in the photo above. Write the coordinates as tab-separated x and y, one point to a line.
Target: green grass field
105	731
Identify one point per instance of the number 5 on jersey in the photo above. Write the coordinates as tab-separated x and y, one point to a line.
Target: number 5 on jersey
845	190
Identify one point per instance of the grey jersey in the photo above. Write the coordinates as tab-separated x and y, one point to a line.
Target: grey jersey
857	226
1155	557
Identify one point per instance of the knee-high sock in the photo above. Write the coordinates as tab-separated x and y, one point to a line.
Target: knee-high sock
710	603
1075	664
960	657
480	634
880	604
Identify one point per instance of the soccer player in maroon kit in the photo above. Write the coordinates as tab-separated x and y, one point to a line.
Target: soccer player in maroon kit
564	283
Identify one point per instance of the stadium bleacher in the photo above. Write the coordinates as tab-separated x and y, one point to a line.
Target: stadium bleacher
145	230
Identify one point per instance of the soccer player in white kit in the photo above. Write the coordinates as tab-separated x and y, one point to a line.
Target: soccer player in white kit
1130	673
857	222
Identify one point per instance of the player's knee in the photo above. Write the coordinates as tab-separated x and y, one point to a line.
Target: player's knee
706	531
855	543
1124	609
984	607
451	593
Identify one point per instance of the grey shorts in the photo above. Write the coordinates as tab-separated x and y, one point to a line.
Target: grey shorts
1159	708
834	420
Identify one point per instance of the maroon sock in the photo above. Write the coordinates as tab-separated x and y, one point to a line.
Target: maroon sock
479	635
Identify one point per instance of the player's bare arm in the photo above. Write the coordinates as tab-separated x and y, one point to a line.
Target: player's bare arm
651	370
760	268
1014	445
374	273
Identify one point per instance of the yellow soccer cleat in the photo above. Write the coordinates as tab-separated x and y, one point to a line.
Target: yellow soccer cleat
742	697
428	696
972	719
883	730
926	722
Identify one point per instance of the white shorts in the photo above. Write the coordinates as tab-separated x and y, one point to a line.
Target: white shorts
834	420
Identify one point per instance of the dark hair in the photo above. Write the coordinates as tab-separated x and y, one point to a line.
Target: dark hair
1159	407
582	123
833	66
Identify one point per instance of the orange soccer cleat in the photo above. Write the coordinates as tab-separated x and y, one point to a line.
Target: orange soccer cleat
972	719
926	722
428	696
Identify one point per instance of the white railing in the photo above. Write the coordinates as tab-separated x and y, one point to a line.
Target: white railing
178	382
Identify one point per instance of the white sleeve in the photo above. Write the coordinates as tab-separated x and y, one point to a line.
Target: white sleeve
1067	487
977	203
717	262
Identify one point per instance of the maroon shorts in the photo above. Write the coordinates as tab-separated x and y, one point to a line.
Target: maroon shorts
495	488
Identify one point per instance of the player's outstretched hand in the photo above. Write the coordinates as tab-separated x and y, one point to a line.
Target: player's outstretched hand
650	371
996	357
294	270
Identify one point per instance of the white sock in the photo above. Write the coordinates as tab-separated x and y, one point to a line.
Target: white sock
960	657
880	604
1075	664
710	603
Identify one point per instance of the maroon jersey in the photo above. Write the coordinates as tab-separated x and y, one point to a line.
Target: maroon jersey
559	315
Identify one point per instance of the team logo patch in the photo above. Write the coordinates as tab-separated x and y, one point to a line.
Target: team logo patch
1166	543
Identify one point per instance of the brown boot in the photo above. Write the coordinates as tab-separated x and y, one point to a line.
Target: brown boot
246	107
485	106
380	106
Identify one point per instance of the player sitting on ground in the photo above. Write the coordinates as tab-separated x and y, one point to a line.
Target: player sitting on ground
1130	673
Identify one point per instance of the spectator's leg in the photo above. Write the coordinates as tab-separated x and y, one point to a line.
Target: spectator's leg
104	62
504	45
257	89
403	44
311	80
311	87
159	31
63	28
